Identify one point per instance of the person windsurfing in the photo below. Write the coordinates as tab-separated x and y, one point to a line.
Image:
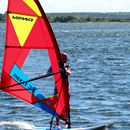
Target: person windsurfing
64	58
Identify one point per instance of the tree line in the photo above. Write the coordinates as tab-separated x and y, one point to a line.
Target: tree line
73	19
2	17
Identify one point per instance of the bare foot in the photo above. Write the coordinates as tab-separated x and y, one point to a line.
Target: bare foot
66	126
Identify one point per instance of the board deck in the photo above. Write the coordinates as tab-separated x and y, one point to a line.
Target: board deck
100	127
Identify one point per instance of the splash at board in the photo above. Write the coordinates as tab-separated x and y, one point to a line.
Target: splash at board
16	125
27	29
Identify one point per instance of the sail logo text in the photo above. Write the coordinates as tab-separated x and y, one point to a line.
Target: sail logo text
23	83
20	78
17	78
18	75
22	18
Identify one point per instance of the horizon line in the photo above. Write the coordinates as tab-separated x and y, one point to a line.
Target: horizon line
84	12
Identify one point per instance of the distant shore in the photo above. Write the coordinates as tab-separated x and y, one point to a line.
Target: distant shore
84	17
73	19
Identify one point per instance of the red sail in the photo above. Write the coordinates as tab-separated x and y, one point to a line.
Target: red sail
27	28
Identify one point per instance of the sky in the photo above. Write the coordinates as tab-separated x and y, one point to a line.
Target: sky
79	5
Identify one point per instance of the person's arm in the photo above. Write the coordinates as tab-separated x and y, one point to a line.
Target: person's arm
49	71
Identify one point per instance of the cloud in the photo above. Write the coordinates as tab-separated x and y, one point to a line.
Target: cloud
80	5
86	5
3	6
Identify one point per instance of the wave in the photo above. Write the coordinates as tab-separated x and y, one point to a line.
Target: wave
15	125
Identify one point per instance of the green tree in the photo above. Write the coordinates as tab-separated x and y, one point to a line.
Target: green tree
0	17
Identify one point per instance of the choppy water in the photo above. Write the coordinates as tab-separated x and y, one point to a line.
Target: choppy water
99	56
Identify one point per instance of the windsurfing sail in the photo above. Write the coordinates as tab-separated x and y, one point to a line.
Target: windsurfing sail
28	29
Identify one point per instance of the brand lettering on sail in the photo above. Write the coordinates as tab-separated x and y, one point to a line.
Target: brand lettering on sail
20	80
19	76
22	18
25	84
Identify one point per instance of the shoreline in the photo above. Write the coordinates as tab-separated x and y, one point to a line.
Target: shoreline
83	17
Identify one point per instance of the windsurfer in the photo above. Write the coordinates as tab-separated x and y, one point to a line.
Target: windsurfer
64	58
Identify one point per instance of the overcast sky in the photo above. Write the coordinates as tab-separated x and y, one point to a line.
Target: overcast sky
80	5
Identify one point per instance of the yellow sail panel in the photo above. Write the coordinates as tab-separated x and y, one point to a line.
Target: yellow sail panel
23	25
33	6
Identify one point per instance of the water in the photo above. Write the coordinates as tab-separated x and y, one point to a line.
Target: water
99	56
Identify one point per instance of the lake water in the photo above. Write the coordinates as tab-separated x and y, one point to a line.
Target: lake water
99	55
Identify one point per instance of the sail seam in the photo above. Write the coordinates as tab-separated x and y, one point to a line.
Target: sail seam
28	47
